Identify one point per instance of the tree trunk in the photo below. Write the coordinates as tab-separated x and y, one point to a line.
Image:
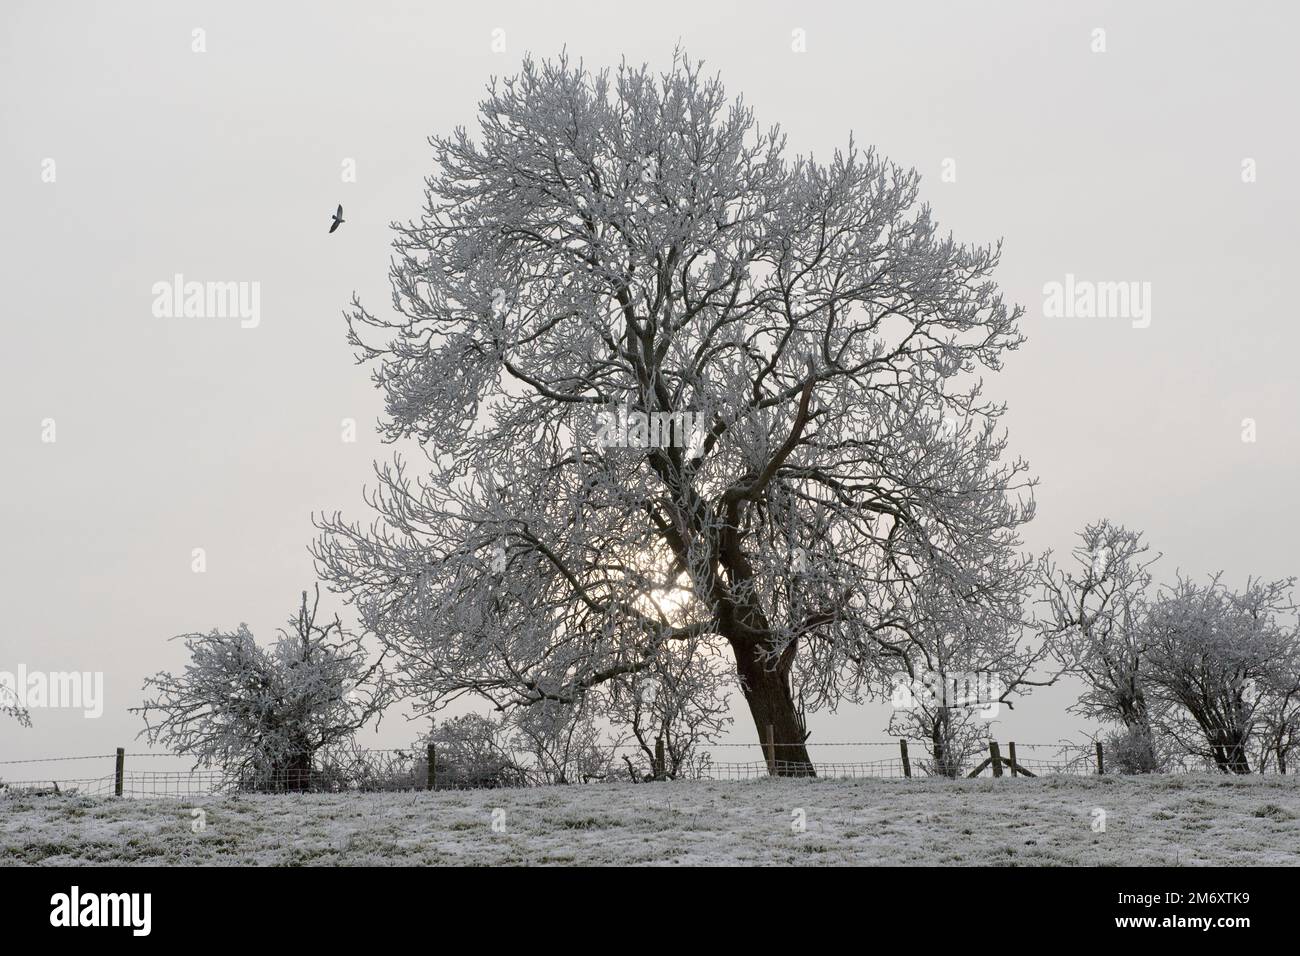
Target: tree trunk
1228	749
1239	762
947	756
767	691
936	749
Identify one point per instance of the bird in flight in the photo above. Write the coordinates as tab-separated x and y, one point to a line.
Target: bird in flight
338	219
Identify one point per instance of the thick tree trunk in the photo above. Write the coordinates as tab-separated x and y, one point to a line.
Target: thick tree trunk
1239	762
1229	751
767	691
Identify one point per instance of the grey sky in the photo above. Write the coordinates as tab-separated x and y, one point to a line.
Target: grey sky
175	434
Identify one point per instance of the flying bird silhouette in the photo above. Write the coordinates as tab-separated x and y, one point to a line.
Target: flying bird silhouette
338	219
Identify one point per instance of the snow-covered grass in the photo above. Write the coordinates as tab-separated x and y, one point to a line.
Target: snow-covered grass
1189	820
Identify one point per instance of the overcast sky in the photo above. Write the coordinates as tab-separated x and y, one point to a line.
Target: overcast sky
173	434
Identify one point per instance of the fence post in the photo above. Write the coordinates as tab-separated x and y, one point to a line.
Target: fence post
120	773
907	764
771	750
995	758
1101	764
431	771
659	759
1011	755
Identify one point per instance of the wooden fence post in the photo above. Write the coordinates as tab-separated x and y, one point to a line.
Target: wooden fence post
120	775
771	750
995	758
907	764
431	771
659	759
1011	755
1101	764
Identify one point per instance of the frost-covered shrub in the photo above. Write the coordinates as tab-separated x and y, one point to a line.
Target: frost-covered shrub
1133	750
681	700
263	714
470	753
563	742
1221	660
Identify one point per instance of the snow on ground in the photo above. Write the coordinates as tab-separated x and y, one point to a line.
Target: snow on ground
1158	821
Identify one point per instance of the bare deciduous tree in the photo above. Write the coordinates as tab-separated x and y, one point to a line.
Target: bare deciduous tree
472	751
965	657
681	701
1095	626
1217	656
1280	721
264	713
565	742
636	242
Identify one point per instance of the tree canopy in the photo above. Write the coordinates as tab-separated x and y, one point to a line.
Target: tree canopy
635	244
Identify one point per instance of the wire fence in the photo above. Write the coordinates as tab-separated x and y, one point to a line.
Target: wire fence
134	774
913	761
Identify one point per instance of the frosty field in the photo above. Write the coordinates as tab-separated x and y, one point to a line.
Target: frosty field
1159	821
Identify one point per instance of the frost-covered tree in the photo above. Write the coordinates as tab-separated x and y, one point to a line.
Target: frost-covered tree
1280	723
564	742
1217	657
681	701
648	353
965	657
472	751
262	714
1095	624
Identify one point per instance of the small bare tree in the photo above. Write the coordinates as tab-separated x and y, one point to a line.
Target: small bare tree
1217	657
472	751
264	713
963	655
682	702
1095	626
564	742
1279	716
953	732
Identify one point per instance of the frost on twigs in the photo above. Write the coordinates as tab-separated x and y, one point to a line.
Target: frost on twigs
263	714
1191	670
636	240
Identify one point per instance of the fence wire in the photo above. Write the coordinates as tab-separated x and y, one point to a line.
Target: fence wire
407	770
